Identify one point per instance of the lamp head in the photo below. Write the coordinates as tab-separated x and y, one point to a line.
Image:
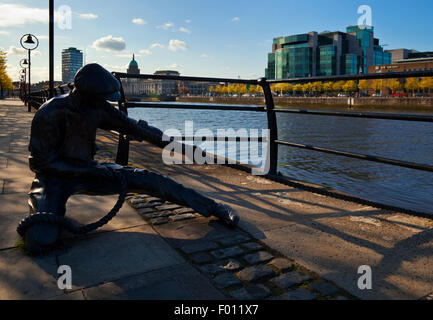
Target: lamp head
29	39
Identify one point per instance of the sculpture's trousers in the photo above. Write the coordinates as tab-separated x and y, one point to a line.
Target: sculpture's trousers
50	193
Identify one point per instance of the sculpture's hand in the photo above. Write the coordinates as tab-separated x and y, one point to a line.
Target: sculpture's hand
143	124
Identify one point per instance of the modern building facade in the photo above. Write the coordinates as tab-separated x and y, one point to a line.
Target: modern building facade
72	61
325	54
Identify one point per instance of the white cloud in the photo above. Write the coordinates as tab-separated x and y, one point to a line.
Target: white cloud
5	33
146	52
109	43
188	21
204	55
174	66
138	21
185	30
176	45
17	15
156	45
88	16
14	51
166	26
236	19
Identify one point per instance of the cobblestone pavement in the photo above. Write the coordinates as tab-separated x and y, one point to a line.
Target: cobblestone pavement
240	266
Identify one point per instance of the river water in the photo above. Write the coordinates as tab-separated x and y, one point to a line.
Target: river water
402	140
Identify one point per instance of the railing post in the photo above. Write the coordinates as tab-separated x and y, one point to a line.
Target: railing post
122	156
272	126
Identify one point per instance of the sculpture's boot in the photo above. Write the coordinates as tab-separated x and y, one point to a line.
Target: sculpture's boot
226	214
46	196
41	237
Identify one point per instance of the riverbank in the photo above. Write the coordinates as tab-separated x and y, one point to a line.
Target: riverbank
365	103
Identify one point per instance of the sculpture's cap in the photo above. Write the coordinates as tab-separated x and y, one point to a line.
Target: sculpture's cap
92	79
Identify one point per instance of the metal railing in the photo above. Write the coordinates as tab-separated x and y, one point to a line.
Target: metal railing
271	112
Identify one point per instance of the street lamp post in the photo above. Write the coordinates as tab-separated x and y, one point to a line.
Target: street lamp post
24	65
29	44
51	47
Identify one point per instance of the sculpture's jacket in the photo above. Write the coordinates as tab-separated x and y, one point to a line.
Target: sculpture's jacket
64	129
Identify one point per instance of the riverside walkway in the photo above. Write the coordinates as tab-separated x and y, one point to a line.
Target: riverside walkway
290	244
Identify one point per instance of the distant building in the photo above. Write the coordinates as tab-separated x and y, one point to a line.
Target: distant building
72	61
404	55
133	66
325	54
417	64
157	87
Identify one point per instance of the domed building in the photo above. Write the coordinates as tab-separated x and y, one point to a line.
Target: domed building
131	86
133	66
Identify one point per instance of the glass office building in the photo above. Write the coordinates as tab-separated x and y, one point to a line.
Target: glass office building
72	61
325	54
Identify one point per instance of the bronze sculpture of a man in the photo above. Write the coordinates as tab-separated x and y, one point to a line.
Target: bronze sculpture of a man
62	146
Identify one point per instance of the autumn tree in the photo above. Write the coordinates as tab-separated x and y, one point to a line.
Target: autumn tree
307	87
297	88
338	86
426	84
363	85
5	80
317	86
327	87
412	84
350	86
394	85
376	85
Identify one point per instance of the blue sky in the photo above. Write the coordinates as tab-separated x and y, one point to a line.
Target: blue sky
227	38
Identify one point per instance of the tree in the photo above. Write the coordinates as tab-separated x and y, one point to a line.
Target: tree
363	85
307	87
297	88
426	84
394	85
288	88
338	86
317	86
5	80
412	84
376	85
327	87
350	86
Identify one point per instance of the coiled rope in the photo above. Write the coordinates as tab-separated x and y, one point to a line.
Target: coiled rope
46	217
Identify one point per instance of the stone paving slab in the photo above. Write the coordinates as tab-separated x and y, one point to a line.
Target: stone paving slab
114	255
333	262
13	207
195	231
24	277
88	209
180	282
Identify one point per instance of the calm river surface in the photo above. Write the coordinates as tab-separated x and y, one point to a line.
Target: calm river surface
409	141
